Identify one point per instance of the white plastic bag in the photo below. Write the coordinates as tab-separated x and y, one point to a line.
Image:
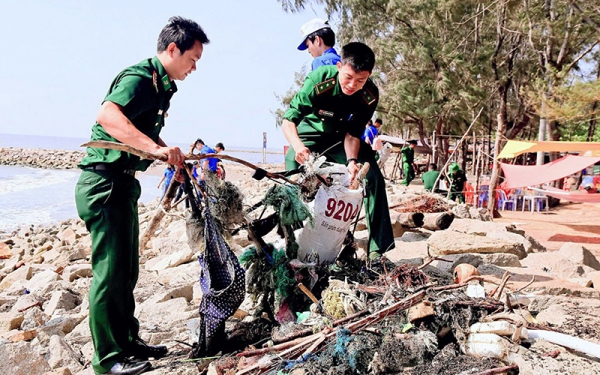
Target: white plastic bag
333	209
377	144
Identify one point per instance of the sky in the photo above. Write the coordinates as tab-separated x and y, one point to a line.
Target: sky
60	57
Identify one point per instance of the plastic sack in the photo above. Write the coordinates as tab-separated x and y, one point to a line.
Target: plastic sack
333	209
377	144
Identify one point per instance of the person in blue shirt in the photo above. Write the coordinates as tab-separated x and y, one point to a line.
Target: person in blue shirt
371	131
318	38
166	179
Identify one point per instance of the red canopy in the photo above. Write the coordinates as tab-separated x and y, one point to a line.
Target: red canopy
517	176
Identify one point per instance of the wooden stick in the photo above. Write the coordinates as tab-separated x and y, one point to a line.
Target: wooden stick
379	315
437	180
159	213
308	293
503	284
274	348
286	352
152	156
308	331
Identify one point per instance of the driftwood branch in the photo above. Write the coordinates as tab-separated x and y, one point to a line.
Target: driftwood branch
152	156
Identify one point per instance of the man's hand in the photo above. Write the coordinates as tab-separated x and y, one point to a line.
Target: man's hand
173	154
353	170
302	154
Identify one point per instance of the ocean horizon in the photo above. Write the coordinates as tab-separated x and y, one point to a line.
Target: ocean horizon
36	196
250	154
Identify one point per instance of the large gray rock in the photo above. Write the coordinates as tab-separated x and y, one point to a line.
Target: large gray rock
77	271
555	265
21	358
481	228
22	273
447	263
452	242
502	259
61	326
578	254
45	283
10	321
25	301
60	354
461	211
61	299
511	237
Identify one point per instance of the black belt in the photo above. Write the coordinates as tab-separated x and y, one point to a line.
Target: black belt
106	167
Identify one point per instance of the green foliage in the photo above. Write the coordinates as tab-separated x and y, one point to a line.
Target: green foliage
439	61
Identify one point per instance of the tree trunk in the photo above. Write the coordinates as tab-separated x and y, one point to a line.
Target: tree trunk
438	220
496	164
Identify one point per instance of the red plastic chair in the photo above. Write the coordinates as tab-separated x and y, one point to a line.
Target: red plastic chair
469	193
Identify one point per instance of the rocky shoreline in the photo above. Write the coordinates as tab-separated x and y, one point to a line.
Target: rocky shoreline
40	158
45	275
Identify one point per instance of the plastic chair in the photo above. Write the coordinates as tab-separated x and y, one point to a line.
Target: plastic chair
535	202
504	200
469	193
483	195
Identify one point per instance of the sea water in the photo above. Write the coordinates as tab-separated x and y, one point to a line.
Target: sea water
32	196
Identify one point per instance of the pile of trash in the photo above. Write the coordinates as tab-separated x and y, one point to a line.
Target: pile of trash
346	315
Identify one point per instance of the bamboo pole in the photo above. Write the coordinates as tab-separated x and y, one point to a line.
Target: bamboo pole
453	152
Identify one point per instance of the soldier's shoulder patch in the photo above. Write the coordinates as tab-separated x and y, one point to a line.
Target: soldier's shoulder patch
368	96
325	86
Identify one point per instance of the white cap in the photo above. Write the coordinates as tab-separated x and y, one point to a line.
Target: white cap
309	28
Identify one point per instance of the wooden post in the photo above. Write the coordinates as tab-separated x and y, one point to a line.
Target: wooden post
410	219
438	220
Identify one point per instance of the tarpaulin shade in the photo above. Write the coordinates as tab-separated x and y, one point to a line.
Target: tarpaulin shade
515	148
571	196
399	142
517	176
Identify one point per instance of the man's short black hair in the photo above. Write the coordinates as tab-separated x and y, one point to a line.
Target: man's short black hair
359	56
326	34
199	141
220	145
183	32
379	121
412	142
433	166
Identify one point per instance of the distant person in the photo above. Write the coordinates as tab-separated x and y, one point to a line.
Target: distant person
209	164
370	133
133	112
166	180
319	39
430	177
456	178
219	147
408	162
351	99
196	147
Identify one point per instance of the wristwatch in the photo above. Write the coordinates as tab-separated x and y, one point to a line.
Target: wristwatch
351	160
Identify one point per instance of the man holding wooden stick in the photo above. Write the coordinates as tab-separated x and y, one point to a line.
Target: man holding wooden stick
133	112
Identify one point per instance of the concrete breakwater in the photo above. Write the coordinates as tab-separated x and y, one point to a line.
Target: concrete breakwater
40	158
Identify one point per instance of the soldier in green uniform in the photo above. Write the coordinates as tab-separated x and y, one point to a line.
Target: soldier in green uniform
327	116
408	162
107	192
456	179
